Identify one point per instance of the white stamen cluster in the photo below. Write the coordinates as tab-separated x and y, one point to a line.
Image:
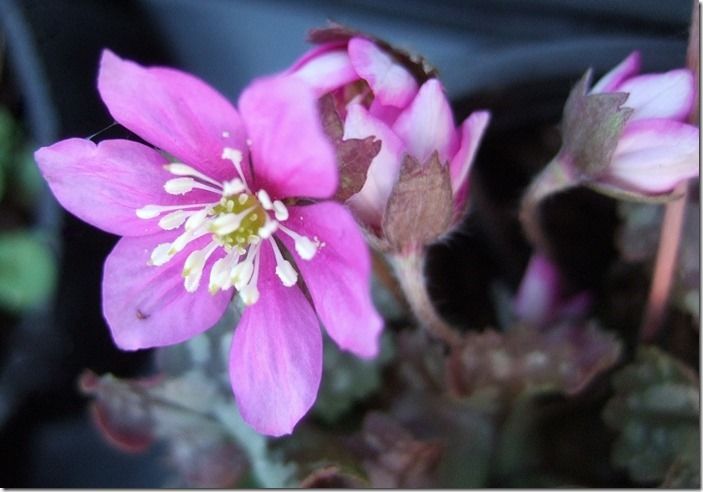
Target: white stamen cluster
238	221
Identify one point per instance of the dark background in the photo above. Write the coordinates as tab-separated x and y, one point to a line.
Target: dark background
515	57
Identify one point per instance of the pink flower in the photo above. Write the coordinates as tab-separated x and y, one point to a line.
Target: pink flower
656	150
423	128
235	209
540	299
390	106
359	70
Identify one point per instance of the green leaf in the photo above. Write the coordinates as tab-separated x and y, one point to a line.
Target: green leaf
27	271
347	379
656	410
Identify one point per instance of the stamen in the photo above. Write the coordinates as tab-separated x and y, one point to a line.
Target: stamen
174	220
188	236
242	272
233	187
181	186
235	156
250	293
265	200
267	230
220	278
284	269
180	169
151	211
197	219
280	210
303	245
227	223
194	264
160	255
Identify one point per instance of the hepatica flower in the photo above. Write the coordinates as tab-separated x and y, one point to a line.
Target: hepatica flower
379	97
234	206
657	149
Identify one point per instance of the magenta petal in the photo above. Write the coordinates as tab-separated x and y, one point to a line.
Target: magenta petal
291	155
471	133
325	68
105	184
276	358
654	156
148	306
370	202
539	291
339	276
664	95
427	125
173	111
390	82
625	69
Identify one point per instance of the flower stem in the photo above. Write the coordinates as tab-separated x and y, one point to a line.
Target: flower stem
553	179
409	269
670	236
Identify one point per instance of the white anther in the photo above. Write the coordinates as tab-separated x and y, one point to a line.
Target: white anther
220	272
173	220
149	211
249	294
303	245
265	200
227	223
179	186
196	219
284	269
180	169
233	155
242	199
242	272
280	210
194	264
233	187
267	230
160	254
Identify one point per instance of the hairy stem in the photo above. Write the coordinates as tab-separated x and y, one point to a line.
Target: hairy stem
409	269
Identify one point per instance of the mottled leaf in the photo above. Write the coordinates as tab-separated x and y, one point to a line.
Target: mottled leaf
591	127
397	459
27	271
420	207
564	358
656	409
347	379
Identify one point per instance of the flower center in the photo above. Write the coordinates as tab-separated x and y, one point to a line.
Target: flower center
238	222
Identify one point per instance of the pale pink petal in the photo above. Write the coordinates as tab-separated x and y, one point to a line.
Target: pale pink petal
148	306
539	291
471	133
276	358
338	276
390	82
174	111
370	202
664	95
625	69
105	184
427	125
291	155
325	68
653	156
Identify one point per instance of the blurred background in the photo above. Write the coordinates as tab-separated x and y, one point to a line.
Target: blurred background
517	58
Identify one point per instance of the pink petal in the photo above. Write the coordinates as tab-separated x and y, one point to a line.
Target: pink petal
471	133
325	68
173	111
148	306
611	81
339	276
655	155
539	291
390	82
105	184
427	124
370	202
291	155
276	358
665	95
